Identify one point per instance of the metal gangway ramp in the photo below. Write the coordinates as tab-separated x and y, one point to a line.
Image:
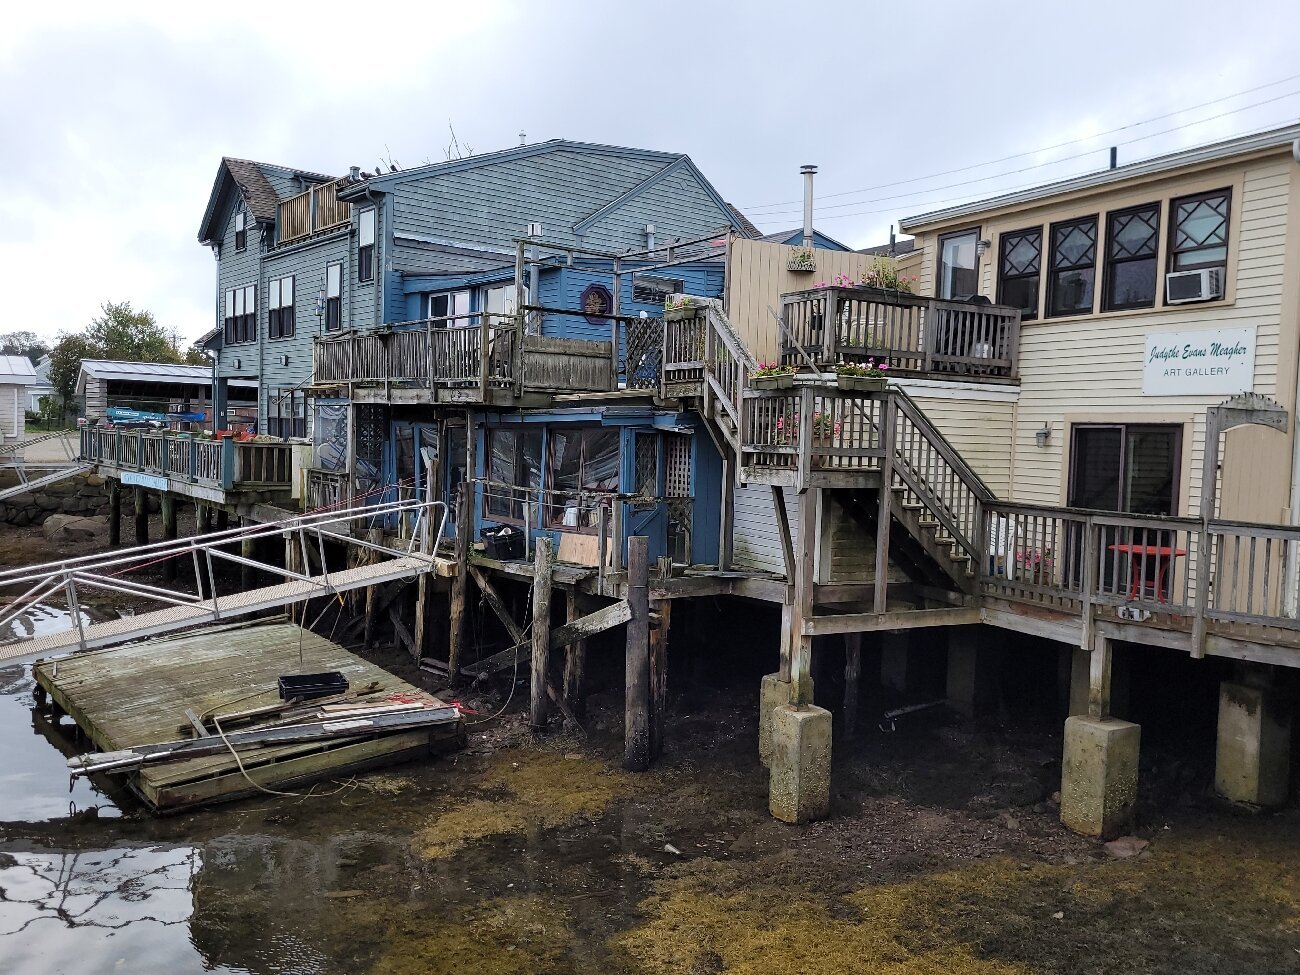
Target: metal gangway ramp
421	522
37	474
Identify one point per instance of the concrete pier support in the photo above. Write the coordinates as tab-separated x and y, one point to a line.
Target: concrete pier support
1253	758
972	672
799	787
1080	666
1099	775
773	692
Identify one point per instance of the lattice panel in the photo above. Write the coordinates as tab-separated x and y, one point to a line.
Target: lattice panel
677	465
645	346
647	467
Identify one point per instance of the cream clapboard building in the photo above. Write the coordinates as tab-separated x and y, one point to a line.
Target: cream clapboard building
1116	372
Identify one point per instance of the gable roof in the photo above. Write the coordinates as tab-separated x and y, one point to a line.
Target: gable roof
787	237
746	227
249	179
671	162
148	372
17	370
1278	138
897	249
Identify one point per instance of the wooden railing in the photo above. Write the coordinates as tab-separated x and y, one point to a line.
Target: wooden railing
912	333
812	428
703	354
226	463
326	489
312	211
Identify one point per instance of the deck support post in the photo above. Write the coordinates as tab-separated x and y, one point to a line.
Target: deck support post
543	567
456	638
168	503
894	661
636	725
1099	763
114	512
575	659
140	501
248	550
972	686
852	678
1253	755
204	514
223	519
376	536
659	627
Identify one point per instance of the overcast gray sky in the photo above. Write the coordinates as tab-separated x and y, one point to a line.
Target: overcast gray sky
114	116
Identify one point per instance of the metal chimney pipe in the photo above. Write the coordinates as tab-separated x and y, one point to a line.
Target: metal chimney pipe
1114	156
808	172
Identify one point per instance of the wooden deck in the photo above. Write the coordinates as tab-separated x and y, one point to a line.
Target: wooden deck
138	694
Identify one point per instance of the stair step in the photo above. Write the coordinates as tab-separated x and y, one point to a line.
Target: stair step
912	506
899	488
945	541
929	523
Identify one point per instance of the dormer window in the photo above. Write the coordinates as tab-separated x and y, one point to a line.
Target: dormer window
366	245
241	230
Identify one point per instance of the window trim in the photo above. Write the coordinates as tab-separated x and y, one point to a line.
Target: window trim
276	319
1108	264
1171	258
241	230
334	303
938	258
366	252
1095	220
1002	277
241	328
1127	427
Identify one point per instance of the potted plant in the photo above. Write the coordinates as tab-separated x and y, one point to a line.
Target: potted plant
679	309
861	376
801	259
884	276
772	375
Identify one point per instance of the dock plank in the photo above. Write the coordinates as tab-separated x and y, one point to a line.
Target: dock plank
137	694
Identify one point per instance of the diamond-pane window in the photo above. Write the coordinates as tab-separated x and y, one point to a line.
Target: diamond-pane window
1132	239
1073	263
1018	277
1200	231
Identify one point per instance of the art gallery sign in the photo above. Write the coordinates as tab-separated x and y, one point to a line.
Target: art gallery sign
1206	362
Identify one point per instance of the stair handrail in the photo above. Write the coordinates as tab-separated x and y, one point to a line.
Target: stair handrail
785	330
944	446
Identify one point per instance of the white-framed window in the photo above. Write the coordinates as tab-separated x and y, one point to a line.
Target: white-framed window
366	245
241	229
241	315
280	314
499	300
333	297
452	307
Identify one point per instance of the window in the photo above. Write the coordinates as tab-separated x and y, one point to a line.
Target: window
499	301
366	245
515	470
648	290
333	297
241	230
1131	468
241	315
1020	265
1132	237
958	264
1199	231
279	315
451	306
286	413
583	463
1073	267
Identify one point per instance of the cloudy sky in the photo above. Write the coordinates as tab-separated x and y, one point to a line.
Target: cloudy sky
114	116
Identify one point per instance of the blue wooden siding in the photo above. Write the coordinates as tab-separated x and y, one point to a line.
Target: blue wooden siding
819	240
679	207
563	287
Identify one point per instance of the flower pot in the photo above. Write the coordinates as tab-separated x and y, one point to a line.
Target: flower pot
860	384
783	381
798	266
680	314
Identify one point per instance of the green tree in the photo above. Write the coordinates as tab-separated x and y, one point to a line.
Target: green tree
118	332
23	343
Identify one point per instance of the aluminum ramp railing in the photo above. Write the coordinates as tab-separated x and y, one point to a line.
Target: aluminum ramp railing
424	522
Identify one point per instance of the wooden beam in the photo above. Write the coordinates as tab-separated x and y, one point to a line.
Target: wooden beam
783	530
400	630
636	725
456	639
897	620
543	564
575	654
602	619
659	675
497	605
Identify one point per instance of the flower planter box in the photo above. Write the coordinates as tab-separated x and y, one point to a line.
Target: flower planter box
860	384
801	265
784	381
681	313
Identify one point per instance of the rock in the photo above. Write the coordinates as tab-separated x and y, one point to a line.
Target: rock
1125	847
21	519
61	489
1055	798
1059	915
95	480
47	502
61	527
22	500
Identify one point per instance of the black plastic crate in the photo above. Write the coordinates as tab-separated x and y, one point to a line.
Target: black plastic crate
504	543
312	685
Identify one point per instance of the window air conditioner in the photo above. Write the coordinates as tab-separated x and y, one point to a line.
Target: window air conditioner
1186	286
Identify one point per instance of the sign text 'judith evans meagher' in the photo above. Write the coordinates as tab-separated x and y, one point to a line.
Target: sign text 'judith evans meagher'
1217	361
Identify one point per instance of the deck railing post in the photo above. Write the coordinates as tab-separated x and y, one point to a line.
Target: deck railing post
484	346
1091	561
830	324
883	518
227	463
806	436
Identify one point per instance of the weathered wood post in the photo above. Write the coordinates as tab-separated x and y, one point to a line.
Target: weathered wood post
575	659
114	512
852	675
659	673
141	502
248	550
636	716
543	566
168	501
205	518
376	536
459	581
223	519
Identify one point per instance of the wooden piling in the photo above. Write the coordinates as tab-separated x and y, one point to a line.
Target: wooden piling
223	519
852	677
636	711
543	567
456	639
114	512
141	502
205	518
659	674
169	533
248	550
575	658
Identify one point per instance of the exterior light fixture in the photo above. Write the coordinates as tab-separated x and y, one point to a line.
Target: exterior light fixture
982	247
1041	437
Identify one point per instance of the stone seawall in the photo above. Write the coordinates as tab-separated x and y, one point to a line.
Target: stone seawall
85	495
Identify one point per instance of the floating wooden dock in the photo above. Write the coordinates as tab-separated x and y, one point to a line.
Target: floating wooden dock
138	694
